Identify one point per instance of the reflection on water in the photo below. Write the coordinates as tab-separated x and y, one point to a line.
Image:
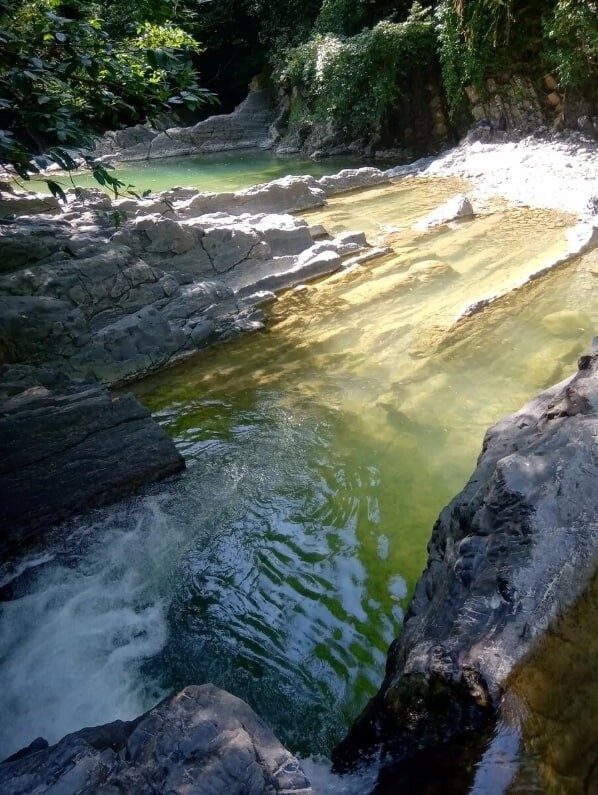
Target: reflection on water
220	171
319	454
557	688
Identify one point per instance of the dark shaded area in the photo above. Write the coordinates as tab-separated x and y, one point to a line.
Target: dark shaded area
555	690
510	554
448	769
69	446
424	716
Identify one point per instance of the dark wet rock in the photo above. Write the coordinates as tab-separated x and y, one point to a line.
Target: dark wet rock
70	446
507	556
202	740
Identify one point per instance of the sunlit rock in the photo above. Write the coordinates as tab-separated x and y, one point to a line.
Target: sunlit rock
507	556
201	740
456	208
352	179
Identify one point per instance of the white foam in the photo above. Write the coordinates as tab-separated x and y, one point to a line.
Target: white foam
325	782
72	647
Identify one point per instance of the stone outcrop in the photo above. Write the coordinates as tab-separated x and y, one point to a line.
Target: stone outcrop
513	103
86	300
201	740
454	209
507	102
70	446
512	551
178	272
247	127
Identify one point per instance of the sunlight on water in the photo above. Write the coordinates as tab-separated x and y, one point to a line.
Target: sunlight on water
319	455
221	171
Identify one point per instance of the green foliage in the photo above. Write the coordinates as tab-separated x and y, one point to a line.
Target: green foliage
571	40
478	36
63	79
471	33
342	17
354	81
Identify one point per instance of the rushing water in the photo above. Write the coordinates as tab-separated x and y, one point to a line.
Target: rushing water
319	453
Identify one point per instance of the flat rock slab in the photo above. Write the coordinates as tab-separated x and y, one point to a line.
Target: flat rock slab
69	446
507	557
202	740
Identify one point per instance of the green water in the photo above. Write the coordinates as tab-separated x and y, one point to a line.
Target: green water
319	453
325	447
220	171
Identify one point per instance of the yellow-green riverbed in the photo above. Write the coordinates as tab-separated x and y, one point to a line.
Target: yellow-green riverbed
319	453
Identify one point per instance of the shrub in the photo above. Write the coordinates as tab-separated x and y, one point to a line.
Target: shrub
354	81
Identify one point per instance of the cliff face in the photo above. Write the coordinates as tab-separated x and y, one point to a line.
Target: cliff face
507	556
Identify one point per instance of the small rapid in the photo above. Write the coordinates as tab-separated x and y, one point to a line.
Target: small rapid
319	453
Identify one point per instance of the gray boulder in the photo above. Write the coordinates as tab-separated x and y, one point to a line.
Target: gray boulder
352	179
69	446
33	328
202	740
507	556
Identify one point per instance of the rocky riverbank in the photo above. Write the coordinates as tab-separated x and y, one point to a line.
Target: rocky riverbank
110	303
507	556
103	291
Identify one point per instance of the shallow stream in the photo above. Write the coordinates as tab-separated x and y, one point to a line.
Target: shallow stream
319	453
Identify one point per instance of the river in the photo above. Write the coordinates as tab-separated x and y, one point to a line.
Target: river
319	453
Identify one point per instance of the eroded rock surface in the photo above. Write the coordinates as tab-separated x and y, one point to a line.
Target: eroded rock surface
178	272
248	126
69	446
512	551
202	740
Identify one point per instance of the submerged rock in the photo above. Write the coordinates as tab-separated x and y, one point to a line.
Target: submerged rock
69	446
202	740
507	556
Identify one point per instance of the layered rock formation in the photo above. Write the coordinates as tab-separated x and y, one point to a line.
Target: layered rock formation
247	127
177	272
201	740
507	556
69	446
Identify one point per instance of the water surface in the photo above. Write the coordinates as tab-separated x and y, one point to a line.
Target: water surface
220	171
319	453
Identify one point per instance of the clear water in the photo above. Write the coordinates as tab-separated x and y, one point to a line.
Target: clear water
319	455
220	171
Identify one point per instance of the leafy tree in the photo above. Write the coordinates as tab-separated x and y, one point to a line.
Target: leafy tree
478	36
63	79
571	40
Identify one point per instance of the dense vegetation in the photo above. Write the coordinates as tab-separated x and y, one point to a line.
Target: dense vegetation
71	69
